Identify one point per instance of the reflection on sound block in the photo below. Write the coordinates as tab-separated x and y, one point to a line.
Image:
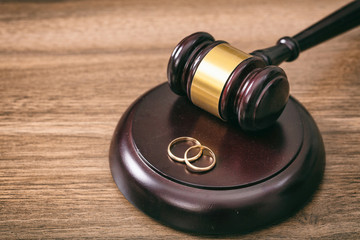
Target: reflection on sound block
259	178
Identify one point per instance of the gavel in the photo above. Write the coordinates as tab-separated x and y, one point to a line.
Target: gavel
248	89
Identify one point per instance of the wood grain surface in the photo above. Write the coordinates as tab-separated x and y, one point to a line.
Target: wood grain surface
69	70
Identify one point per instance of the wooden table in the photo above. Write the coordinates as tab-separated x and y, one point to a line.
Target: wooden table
69	70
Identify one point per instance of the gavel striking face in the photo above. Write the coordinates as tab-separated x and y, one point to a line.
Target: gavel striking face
228	83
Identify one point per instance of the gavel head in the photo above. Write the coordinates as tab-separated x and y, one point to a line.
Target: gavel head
227	82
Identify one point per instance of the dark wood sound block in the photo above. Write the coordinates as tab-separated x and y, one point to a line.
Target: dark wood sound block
259	178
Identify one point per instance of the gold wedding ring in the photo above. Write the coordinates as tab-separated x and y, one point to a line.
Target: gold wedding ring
194	168
188	160
183	139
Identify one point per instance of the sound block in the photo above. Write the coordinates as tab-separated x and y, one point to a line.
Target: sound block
259	178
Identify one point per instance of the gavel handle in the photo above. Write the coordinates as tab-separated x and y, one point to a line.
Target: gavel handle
288	48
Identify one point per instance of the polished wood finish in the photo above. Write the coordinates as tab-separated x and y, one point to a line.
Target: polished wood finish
253	96
70	69
336	23
259	178
331	26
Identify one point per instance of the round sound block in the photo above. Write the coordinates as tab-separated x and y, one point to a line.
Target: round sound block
259	178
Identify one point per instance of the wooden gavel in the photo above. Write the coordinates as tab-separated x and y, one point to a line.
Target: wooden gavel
246	88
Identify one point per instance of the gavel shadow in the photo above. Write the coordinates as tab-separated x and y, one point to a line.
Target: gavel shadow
243	158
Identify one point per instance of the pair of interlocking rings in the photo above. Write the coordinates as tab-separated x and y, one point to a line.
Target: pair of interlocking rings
188	160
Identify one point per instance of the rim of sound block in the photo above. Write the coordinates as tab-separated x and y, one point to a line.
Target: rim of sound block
261	179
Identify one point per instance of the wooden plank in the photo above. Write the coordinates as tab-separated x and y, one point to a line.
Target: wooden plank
69	69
